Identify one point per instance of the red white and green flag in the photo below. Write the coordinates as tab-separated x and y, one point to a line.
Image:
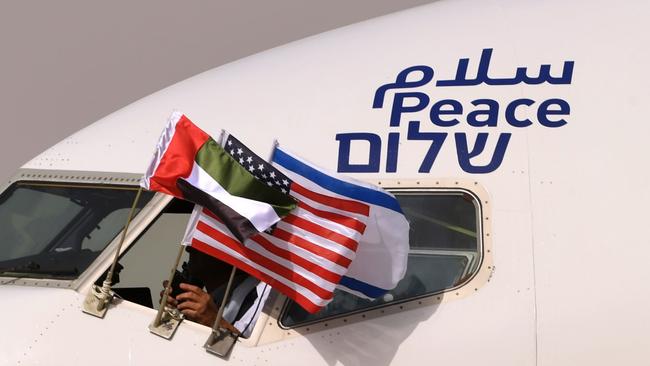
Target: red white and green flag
190	165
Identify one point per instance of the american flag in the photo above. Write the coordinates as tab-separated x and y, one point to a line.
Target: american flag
306	254
262	170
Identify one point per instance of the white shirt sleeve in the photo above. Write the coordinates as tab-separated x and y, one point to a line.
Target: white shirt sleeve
247	322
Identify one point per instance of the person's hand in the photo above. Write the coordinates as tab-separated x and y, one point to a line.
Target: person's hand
196	305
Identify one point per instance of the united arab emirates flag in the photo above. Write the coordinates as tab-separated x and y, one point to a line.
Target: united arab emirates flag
189	164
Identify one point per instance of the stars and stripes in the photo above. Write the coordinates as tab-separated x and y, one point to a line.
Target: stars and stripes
309	251
382	255
257	166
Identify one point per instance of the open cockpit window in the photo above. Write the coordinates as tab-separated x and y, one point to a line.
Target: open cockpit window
445	252
56	230
144	266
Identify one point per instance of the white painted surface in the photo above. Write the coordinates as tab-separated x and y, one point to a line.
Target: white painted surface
567	203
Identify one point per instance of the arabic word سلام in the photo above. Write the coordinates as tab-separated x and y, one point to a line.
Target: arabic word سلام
448	112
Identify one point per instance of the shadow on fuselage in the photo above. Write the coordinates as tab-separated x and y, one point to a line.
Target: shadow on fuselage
372	341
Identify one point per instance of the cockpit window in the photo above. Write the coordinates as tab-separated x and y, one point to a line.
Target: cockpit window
54	230
445	251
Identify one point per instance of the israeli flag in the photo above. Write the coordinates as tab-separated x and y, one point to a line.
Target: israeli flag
382	254
383	250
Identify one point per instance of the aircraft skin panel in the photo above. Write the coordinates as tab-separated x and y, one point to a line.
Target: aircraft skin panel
567	201
126	340
591	265
589	186
121	338
590	248
27	314
457	333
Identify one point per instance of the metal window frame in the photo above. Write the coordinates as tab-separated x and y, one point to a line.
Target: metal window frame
270	329
52	177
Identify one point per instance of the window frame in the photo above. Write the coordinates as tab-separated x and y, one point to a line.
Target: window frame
101	263
274	330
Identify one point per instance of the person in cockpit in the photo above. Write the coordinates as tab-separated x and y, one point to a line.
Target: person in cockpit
199	295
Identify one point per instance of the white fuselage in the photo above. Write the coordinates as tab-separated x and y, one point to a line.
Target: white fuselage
564	269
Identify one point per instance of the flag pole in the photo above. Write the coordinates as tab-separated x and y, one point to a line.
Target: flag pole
221	340
98	298
167	326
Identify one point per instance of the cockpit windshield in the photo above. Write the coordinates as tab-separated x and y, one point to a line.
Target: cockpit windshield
56	230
